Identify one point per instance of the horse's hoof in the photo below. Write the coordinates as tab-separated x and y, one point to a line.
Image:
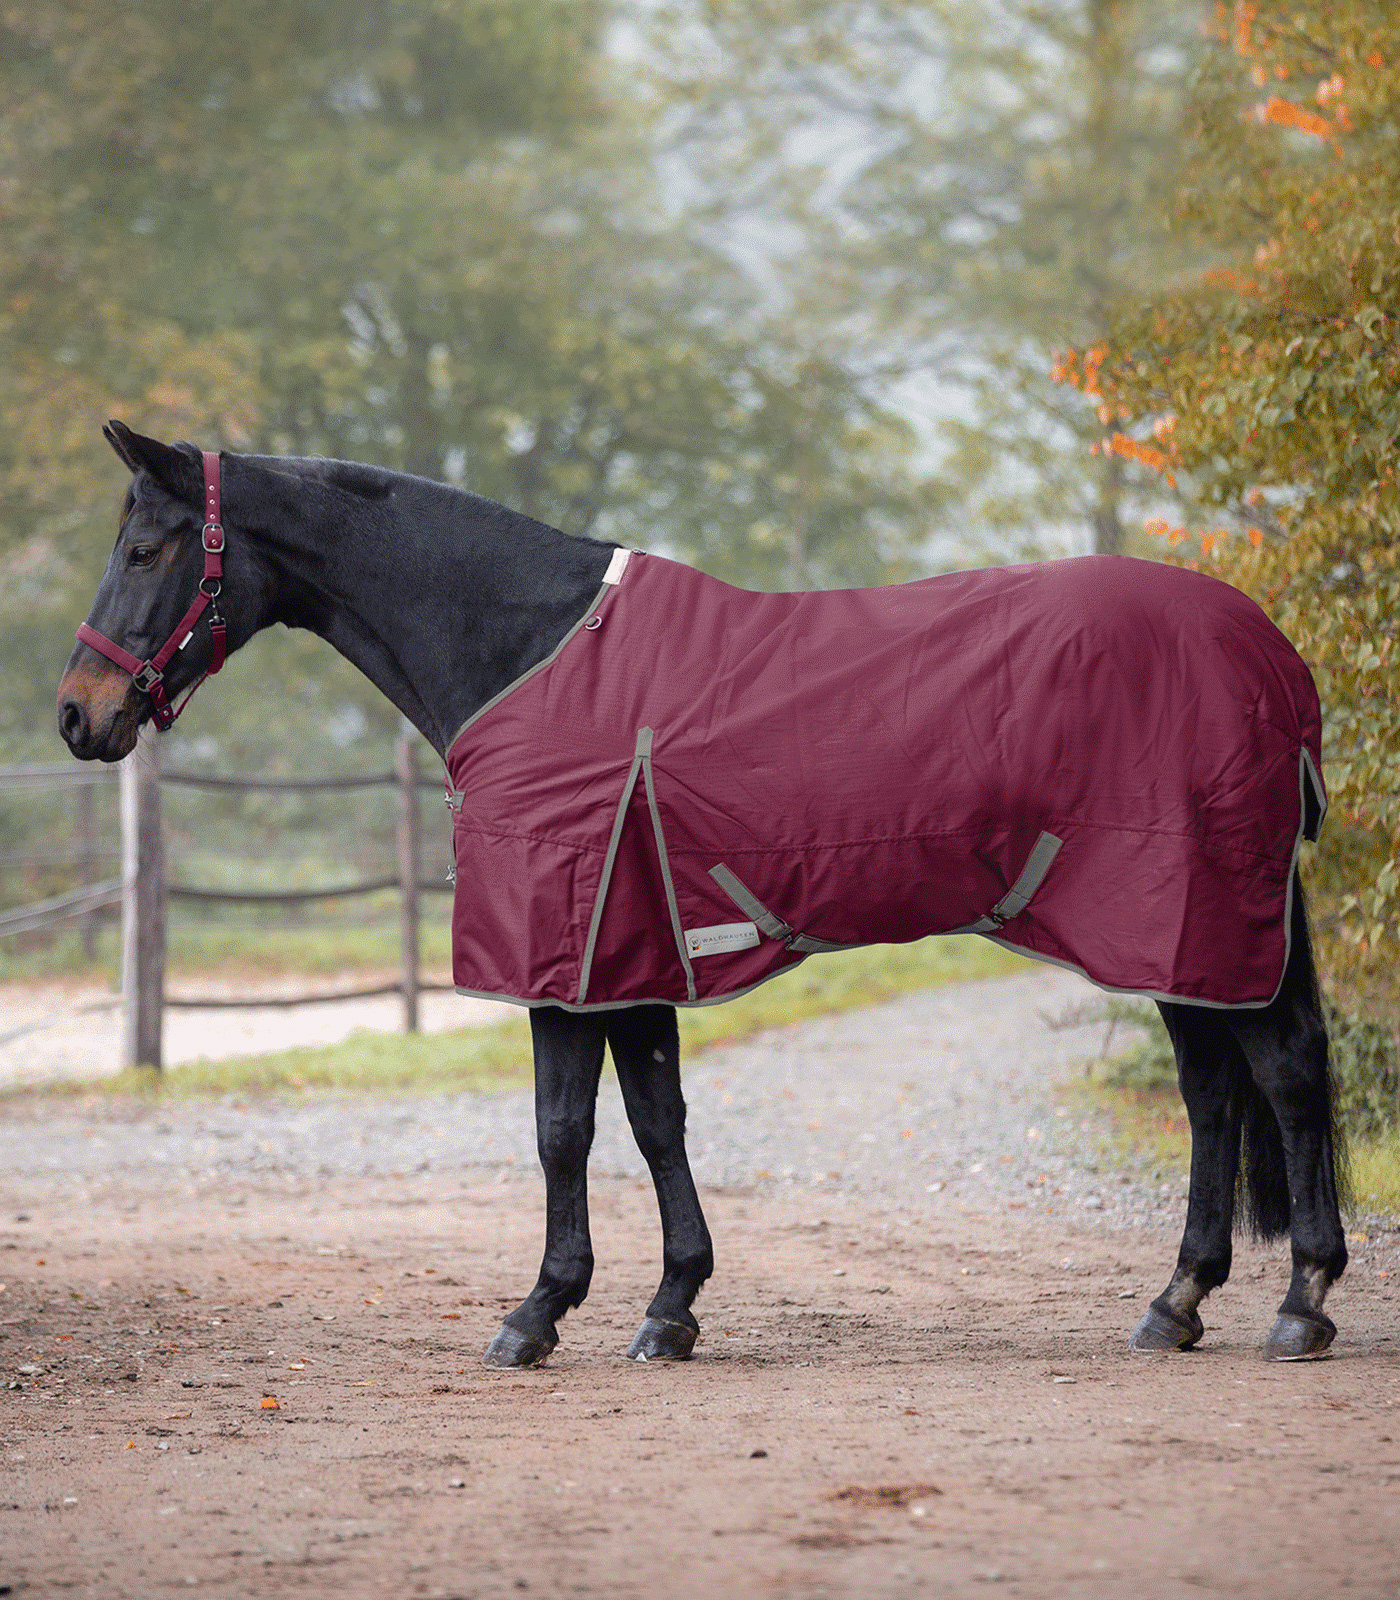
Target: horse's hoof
657	1340
511	1348
1295	1338
1163	1330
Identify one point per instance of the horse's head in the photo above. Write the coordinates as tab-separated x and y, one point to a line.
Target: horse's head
155	569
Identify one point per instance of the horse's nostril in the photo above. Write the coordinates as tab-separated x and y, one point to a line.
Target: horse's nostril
72	724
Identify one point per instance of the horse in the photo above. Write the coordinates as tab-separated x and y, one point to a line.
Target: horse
473	620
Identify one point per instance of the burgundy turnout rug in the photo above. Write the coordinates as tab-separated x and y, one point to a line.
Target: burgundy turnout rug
1102	762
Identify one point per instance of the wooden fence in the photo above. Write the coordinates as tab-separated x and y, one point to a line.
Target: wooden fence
144	892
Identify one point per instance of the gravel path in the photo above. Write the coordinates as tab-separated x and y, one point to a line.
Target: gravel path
240	1349
936	1097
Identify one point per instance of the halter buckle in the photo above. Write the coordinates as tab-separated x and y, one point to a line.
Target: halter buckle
148	677
212	536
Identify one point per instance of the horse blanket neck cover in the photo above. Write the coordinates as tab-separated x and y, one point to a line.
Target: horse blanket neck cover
1104	763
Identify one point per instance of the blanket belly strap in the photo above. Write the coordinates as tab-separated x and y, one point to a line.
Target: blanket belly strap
1019	895
1011	904
763	918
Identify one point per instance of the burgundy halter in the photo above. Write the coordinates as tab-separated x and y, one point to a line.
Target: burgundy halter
149	676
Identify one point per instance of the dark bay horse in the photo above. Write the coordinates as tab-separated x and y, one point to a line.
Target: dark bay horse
445	600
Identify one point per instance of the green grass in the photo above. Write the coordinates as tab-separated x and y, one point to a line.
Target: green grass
1375	1176
1140	1131
498	1057
1144	1131
239	949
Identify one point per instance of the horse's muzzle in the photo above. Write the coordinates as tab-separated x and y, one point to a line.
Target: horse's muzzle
98	713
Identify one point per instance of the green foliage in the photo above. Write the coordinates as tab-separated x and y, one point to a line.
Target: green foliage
429	233
1365	1058
1270	383
1149	1063
1366	1071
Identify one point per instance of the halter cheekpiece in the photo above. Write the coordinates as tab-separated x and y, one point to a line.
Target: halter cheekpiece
149	675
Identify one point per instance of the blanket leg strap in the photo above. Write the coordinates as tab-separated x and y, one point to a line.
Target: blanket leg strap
641	766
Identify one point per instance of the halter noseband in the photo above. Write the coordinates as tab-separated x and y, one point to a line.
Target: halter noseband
149	675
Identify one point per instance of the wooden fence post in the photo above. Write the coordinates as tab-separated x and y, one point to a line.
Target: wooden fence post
406	769
143	903
87	865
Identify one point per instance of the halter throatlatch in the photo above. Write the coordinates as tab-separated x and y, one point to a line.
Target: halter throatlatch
149	675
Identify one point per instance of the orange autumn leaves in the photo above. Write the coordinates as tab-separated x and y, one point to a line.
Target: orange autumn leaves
1081	372
1160	528
1236	29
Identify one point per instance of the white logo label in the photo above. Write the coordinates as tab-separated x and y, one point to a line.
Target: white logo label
715	941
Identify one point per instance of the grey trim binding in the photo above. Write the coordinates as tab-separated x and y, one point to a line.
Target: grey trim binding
614	839
766	922
611	579
644	751
1313	789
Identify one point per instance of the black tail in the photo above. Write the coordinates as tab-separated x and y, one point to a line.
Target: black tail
1263	1181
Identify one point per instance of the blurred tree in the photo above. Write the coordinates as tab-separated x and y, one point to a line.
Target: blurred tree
424	232
989	178
1270	385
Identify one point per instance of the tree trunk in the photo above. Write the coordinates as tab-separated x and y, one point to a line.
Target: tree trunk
1109	538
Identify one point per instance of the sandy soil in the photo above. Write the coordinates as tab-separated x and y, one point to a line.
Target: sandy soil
69	1029
893	1395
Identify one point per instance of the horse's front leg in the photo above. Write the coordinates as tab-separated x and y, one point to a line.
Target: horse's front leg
568	1060
646	1052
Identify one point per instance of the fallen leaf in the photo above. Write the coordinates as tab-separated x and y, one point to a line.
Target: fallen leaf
888	1496
296	1366
129	1445
452	1316
269	1402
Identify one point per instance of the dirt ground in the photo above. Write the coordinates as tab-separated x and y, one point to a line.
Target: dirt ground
884	1403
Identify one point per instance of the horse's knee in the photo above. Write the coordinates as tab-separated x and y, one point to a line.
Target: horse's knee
660	1138
563	1142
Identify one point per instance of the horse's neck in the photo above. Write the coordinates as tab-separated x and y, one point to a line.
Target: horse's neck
441	599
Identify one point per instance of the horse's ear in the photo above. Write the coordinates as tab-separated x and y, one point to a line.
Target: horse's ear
174	466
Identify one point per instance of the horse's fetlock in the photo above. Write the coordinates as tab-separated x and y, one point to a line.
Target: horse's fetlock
694	1267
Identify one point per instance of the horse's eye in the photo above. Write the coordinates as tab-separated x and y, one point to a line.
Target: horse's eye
143	555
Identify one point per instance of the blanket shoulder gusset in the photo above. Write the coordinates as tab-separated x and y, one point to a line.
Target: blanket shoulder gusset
874	766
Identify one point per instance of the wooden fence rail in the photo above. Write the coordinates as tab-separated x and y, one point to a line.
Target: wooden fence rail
144	892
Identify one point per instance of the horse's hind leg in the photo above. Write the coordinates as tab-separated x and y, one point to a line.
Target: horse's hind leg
1291	1169
1211	1072
646	1052
568	1061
